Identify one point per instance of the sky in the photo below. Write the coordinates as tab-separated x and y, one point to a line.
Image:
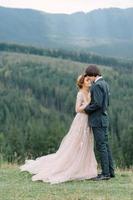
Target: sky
66	6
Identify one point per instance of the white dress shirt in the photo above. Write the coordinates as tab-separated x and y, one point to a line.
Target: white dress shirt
99	77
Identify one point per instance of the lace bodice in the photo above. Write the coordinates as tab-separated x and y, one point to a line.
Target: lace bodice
81	102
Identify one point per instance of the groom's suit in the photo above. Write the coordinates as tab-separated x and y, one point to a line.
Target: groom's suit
98	120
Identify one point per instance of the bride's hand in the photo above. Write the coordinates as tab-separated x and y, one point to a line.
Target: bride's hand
82	107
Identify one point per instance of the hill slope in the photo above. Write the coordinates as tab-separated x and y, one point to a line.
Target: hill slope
37	103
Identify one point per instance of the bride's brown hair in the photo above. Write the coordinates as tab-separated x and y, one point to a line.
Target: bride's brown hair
80	81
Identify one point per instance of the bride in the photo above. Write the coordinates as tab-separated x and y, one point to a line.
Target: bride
75	158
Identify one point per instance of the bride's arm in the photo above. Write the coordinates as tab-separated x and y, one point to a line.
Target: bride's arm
81	103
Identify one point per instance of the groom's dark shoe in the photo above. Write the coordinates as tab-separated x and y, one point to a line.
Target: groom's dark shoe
101	177
111	175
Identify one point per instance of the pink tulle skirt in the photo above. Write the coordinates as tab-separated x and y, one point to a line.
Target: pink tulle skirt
74	160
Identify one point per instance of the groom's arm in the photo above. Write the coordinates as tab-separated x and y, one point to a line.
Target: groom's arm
98	100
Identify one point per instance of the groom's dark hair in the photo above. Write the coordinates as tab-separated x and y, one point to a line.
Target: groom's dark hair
92	70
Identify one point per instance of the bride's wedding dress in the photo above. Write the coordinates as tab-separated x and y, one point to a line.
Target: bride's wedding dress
75	158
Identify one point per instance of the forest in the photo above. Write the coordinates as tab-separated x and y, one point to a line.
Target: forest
37	101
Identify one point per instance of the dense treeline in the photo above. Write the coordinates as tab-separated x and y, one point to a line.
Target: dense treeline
37	100
71	55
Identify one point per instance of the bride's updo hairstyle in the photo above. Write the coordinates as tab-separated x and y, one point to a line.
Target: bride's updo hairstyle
80	81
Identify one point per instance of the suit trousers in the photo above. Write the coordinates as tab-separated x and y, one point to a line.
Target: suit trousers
102	146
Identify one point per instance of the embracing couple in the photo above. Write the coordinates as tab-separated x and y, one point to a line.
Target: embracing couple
75	158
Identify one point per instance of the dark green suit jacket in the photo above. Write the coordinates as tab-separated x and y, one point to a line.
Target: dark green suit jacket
97	109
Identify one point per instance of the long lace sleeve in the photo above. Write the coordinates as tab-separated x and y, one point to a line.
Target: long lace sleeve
79	107
81	102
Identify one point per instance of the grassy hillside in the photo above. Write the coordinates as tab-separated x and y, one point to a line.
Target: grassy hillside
18	186
37	105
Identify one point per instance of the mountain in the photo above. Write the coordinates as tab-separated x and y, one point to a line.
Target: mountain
104	31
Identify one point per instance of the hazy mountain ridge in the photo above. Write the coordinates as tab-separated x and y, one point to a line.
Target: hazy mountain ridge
104	31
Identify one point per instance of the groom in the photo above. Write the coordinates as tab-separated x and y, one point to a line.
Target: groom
98	119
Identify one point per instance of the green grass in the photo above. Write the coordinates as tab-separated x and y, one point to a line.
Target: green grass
16	185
